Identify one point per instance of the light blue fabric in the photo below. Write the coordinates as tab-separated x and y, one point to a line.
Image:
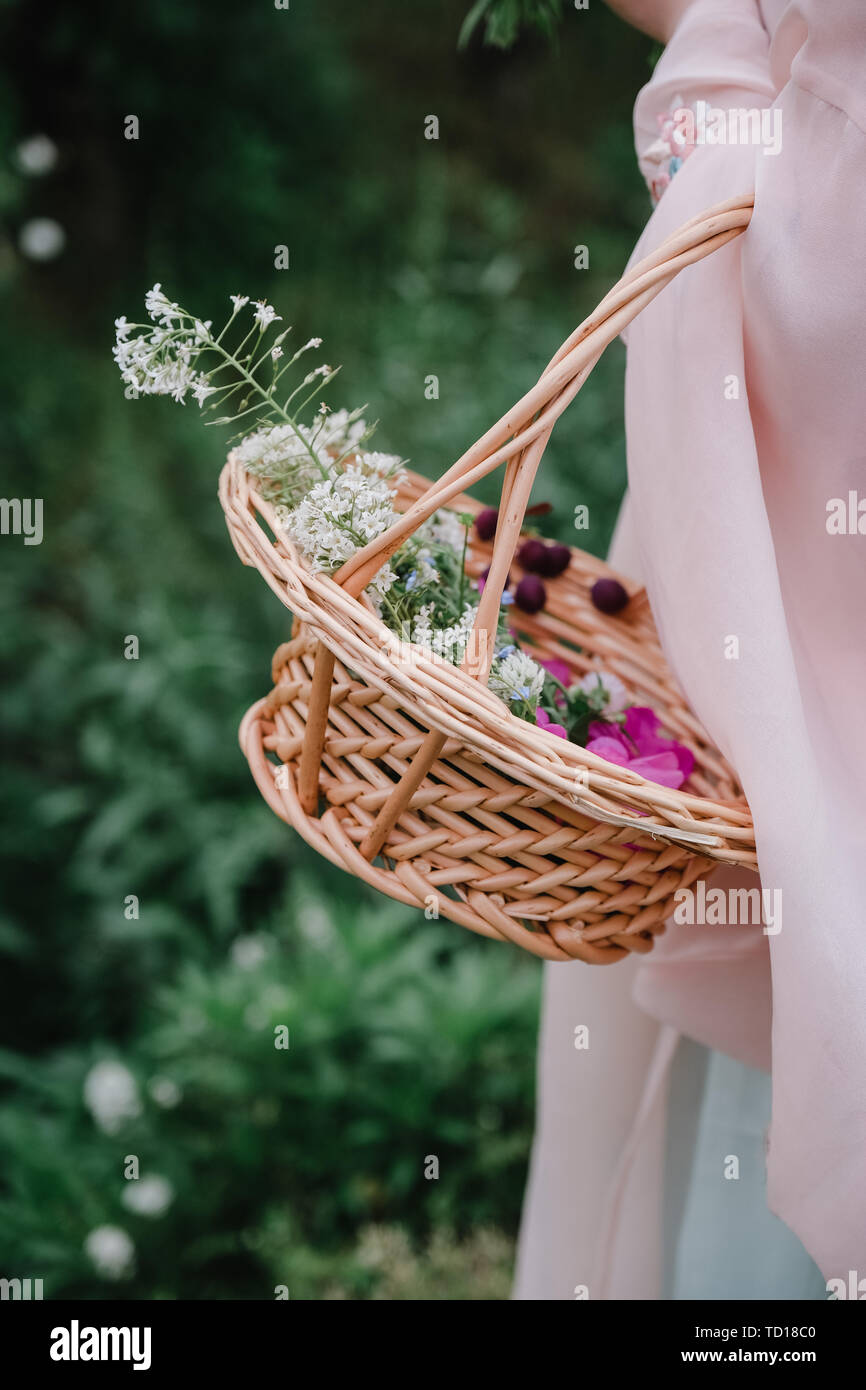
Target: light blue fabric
723	1242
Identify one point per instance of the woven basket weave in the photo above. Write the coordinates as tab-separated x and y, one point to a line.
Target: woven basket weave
411	774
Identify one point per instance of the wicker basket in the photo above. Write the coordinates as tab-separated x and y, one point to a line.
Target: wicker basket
410	773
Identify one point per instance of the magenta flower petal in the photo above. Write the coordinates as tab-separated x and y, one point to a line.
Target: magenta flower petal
662	768
558	670
611	749
638	745
599	729
544	721
641	725
685	758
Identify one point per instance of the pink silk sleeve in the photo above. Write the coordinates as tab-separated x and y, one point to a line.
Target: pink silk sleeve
746	422
719	54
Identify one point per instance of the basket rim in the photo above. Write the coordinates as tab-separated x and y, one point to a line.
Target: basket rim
729	826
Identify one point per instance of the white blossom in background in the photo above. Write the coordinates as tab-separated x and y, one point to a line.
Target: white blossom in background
516	678
164	1092
111	1252
618	697
338	516
314	922
148	1196
41	239
111	1095
249	952
37	155
256	1016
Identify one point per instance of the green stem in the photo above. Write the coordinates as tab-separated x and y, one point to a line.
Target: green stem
463	566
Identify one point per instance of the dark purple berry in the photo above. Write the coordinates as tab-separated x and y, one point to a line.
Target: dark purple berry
608	595
530	594
531	555
485	523
557	558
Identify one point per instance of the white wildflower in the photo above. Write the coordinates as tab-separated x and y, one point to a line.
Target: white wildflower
111	1095
339	432
311	343
111	1252
283	452
376	465
239	300
516	678
201	390
447	529
274	446
618	697
427	571
448	642
266	315
276	354
161	309
148	1196
340	515
161	362
299	455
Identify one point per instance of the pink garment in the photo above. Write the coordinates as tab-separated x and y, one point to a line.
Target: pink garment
746	416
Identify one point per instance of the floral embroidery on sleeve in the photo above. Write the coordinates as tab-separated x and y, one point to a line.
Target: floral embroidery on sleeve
674	144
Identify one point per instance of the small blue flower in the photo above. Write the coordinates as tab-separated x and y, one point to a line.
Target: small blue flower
505	651
411	581
506	600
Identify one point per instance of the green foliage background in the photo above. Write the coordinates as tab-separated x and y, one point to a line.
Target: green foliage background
261	127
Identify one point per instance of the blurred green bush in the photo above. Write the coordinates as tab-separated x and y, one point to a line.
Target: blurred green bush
454	257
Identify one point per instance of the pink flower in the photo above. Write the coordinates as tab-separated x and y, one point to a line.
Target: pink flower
638	746
544	721
558	670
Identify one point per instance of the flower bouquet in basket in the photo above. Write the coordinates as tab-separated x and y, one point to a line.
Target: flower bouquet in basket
476	721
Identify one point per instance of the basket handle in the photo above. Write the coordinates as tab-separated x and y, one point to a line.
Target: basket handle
518	440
